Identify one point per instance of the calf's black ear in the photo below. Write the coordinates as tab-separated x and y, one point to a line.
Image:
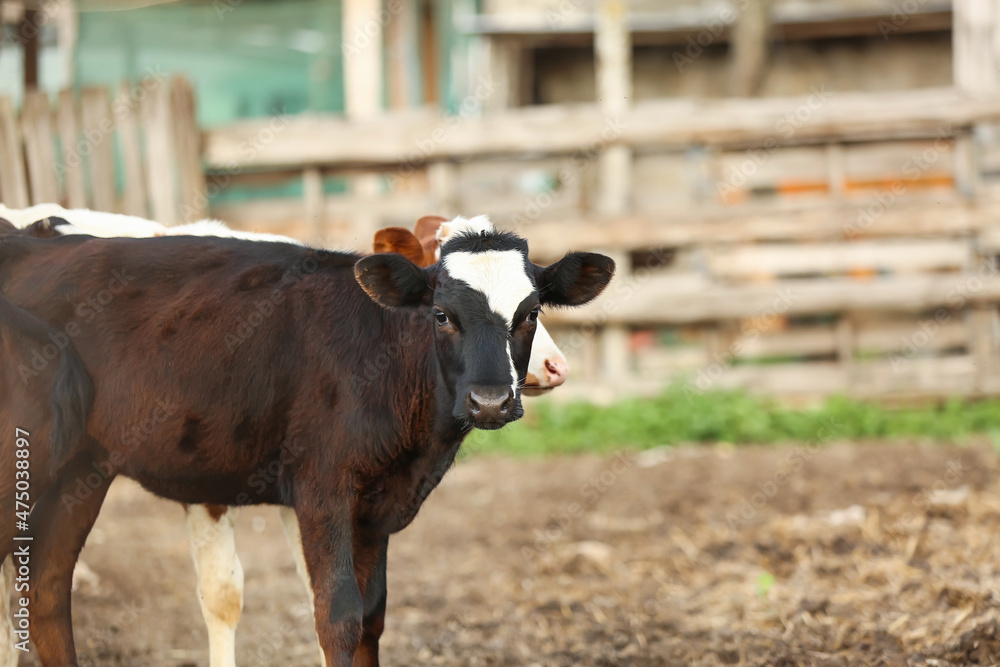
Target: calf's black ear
392	280
575	279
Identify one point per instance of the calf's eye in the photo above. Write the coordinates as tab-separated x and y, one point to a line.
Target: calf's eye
532	317
441	318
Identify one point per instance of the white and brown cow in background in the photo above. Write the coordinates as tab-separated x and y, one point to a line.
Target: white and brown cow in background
210	527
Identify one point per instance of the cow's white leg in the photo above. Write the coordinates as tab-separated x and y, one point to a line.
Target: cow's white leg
8	652
291	524
220	578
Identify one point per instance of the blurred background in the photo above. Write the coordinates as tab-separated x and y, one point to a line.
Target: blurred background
802	197
794	189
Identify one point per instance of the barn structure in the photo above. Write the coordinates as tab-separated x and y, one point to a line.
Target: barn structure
803	195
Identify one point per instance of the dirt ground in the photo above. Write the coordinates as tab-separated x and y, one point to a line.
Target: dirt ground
854	554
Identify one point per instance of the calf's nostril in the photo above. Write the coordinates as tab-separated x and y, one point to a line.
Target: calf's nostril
505	408
557	369
488	405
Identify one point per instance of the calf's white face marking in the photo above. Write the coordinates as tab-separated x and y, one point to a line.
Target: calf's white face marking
499	275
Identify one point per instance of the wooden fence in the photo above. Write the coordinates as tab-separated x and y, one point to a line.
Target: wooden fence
802	246
135	151
830	243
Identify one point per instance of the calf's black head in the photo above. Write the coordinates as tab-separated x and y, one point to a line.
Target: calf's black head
482	299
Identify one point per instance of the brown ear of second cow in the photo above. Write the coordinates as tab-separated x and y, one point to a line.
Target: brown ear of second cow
426	232
399	240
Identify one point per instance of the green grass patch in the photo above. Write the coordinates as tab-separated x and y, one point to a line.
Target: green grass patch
681	415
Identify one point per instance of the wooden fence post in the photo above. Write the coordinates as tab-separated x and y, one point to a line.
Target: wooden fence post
613	45
749	47
193	202
976	43
315	203
362	41
13	179
98	131
69	134
39	141
160	150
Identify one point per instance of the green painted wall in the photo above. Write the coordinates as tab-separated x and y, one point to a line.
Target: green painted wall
246	59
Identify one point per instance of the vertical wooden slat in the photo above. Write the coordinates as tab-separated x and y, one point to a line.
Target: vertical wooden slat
126	110
507	68
160	155
981	323
312	189
976	44
362	62
39	144
13	180
98	134
72	164
401	32
363	97
749	46
613	51
836	170
613	46
845	337
443	181
976	58
187	140
967	172
614	341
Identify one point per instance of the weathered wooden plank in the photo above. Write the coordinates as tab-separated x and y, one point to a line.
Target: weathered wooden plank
613	51
680	20
751	42
269	213
362	62
656	301
904	336
917	377
816	258
912	337
312	187
40	149
913	217
402	68
127	110
13	179
982	323
661	361
791	170
363	82
922	379
900	165
523	189
187	146
160	151
98	129
389	138
443	183
69	134
976	39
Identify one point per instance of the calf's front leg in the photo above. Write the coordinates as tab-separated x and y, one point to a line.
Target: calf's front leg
370	561
328	548
291	524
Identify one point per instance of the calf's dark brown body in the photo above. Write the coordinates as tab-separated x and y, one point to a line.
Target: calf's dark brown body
236	372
